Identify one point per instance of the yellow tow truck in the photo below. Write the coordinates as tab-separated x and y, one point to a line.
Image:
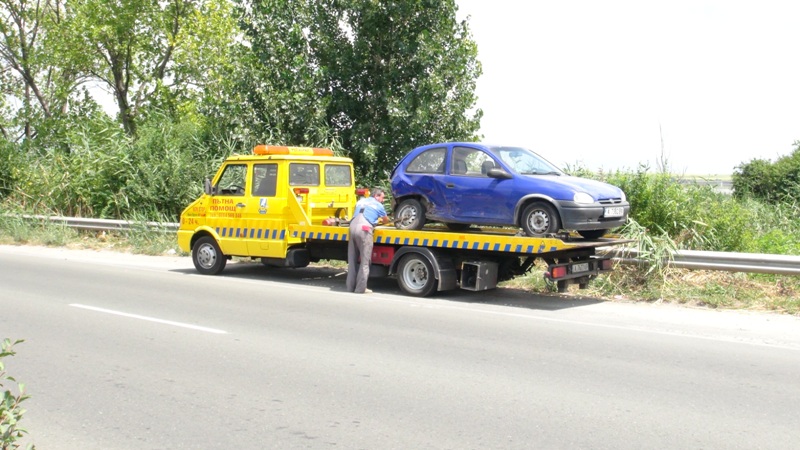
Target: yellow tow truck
288	206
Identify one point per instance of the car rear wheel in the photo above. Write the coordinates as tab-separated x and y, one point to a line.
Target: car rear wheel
409	215
539	219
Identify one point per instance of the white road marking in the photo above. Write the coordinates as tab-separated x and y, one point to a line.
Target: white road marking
150	319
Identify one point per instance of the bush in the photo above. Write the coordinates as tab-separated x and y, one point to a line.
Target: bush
770	182
7	163
10	410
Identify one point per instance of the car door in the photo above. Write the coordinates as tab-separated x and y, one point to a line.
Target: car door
470	194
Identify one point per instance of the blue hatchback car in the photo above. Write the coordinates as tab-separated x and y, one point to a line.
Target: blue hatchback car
465	183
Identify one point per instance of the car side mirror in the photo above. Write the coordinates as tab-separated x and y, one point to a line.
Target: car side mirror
498	173
207	186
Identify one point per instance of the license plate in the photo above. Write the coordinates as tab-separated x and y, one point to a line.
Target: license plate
580	267
614	211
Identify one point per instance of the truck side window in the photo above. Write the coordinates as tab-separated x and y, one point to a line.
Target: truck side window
265	180
430	161
304	174
232	181
337	175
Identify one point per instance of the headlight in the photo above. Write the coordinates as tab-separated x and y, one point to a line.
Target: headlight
624	199
582	197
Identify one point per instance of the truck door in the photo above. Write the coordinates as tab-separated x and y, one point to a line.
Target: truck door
265	213
226	208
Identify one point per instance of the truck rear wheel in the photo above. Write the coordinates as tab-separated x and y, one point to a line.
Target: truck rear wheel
207	256
415	275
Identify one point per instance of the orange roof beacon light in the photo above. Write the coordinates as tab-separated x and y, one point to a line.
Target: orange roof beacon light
262	149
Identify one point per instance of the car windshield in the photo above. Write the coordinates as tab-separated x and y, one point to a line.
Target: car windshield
525	162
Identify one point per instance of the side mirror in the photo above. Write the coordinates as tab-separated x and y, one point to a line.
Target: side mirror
207	188
498	173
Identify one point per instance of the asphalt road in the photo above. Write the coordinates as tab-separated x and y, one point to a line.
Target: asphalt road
136	352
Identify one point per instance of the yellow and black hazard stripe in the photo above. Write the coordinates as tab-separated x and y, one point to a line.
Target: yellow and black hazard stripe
320	232
494	242
250	233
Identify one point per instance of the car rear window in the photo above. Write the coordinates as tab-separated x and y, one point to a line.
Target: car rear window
429	161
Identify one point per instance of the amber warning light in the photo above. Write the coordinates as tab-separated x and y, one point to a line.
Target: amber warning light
283	150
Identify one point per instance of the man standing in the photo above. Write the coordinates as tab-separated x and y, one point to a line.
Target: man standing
369	213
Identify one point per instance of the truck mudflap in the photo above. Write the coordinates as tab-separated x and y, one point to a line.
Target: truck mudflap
579	271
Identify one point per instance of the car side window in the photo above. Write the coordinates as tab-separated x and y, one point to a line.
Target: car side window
429	161
265	180
304	174
232	181
471	162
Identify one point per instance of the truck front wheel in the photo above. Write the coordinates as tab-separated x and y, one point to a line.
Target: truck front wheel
207	256
415	275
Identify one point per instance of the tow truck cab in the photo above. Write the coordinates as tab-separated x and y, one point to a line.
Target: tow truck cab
248	205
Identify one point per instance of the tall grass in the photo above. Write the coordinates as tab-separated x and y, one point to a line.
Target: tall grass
105	174
696	217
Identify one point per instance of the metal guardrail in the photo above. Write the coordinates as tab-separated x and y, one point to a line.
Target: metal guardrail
687	259
105	224
724	261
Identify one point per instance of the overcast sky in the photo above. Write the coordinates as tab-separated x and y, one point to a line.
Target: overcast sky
703	84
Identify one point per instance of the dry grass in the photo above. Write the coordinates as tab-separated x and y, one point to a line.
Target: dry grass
702	288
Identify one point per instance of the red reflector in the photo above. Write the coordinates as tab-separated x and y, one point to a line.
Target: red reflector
608	264
382	255
363	192
558	272
298	191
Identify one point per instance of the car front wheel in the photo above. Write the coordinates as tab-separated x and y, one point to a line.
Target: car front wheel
539	219
409	215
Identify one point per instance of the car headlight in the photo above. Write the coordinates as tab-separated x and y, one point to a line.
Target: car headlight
624	199
582	197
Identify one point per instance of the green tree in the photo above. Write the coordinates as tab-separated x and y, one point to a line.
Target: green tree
382	76
129	47
31	68
399	74
274	96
